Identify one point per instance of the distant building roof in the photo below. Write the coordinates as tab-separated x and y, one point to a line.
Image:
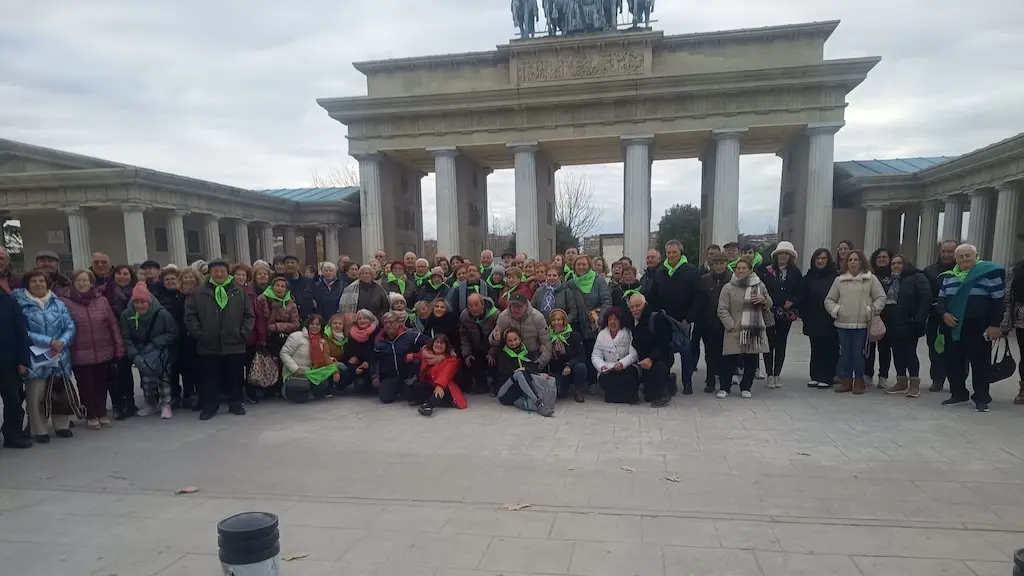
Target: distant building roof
342	194
891	167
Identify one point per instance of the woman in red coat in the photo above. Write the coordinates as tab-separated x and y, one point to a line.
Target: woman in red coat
436	385
97	342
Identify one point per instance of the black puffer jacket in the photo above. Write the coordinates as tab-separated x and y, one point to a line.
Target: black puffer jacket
818	323
780	290
704	311
907	317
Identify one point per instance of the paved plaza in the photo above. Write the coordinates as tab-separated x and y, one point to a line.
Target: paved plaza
792	482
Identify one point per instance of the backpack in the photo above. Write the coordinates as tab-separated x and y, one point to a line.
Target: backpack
679	343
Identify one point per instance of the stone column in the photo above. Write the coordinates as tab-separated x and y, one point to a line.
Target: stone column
927	243
953	221
331	249
527	231
636	220
78	228
312	255
370	206
290	245
1005	237
266	242
980	225
447	200
135	233
242	253
872	229
818	209
725	216
176	242
211	233
911	227
707	196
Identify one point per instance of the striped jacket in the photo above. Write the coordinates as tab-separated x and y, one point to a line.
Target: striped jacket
985	302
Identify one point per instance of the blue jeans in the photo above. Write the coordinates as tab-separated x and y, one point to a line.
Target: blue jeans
576	380
851	352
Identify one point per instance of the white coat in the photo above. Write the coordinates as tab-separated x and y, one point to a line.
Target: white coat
610	351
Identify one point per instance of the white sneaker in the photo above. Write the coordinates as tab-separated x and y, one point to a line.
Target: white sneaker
771	383
881	383
165	413
722	394
746	395
778	382
823	385
760	374
146	410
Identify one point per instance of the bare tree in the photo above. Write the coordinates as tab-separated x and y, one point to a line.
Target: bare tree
499	232
338	177
575	204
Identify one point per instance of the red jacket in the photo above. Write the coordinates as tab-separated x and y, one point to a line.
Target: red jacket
258	335
97	331
443	374
523	288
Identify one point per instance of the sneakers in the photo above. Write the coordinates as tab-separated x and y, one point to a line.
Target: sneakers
901	385
93	424
859	387
1020	395
746	395
914	388
426	409
813	384
882	383
759	374
824	385
771	383
544	410
146	410
952	401
980	407
722	394
165	413
105	422
661	402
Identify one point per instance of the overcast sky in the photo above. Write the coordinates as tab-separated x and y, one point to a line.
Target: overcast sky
226	90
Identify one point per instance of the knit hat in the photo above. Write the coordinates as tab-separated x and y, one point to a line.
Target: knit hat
498	269
140	292
437	271
786	248
394	297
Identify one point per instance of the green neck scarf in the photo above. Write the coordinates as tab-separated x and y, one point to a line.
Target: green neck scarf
473	288
434	286
627	294
135	318
399	279
269	293
567	272
499	286
672	269
562	336
508	293
490	312
220	291
330	336
520	355
586	282
485	271
421	279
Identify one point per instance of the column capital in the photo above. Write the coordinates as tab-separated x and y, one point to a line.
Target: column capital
73	210
132	208
450	151
719	134
1015	185
824	127
523	146
635	139
180	213
211	217
366	156
983	192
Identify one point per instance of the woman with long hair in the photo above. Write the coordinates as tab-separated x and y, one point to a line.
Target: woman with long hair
819	327
880	267
854	298
436	384
783	280
908	300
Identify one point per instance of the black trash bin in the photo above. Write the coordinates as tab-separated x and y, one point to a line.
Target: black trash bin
250	544
1018	562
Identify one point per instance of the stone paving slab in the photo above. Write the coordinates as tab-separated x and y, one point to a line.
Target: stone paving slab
794	481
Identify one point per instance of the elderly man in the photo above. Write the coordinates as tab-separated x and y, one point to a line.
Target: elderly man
393	369
945	262
457	295
476	324
653	263
300	286
704	312
101	269
7	282
507	258
421	271
971	305
530	323
381	257
364	294
47	261
410	263
521	259
570	263
486	262
650	340
672	290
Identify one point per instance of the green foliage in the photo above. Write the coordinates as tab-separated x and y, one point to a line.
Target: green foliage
681	222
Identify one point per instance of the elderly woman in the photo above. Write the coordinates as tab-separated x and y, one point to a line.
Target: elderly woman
855	297
593	299
613	357
280	314
50	326
188	354
514	284
365	294
433	287
149	333
97	343
327	290
744	307
568	363
554	294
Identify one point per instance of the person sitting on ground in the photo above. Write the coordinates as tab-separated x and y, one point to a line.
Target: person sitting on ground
515	369
391	369
306	354
476	324
436	384
358	352
651	337
150	335
568	359
613	358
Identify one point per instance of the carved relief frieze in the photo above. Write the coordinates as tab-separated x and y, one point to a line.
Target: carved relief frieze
575	66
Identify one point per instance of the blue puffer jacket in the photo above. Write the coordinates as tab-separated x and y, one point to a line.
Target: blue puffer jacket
48	320
389	355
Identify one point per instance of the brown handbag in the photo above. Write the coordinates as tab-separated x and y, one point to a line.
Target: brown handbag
62	398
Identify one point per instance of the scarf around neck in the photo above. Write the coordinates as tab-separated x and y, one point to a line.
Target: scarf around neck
220	291
562	336
891	285
400	280
269	293
497	286
672	269
318	355
586	282
421	279
362	334
520	356
332	337
753	334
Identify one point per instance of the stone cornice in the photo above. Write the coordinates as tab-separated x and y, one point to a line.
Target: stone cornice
52	156
844	73
821	30
1012	147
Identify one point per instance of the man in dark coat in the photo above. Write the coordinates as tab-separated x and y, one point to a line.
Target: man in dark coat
704	313
392	369
301	287
650	340
327	291
475	326
14	362
672	290
47	261
945	262
219	316
653	263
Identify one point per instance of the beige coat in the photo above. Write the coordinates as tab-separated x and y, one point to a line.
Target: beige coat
730	310
852	300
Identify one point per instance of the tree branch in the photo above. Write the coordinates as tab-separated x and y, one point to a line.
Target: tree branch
576	205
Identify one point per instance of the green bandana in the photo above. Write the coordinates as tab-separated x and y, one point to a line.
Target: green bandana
434	286
627	294
474	288
220	291
672	269
269	293
586	282
490	312
567	271
499	286
399	280
330	336
521	355
562	336
421	279
757	260
135	317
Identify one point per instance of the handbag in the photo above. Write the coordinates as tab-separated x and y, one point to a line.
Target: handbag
1003	364
876	328
62	398
263	371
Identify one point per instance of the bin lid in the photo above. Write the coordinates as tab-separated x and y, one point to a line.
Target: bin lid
248	525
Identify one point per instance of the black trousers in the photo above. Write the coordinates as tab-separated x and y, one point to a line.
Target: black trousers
712	355
392	387
657	381
221	373
1020	349
748	362
884	354
477	378
124	401
778	336
696	335
904	357
937	367
972	350
12	390
621	386
588	347
188	367
824	357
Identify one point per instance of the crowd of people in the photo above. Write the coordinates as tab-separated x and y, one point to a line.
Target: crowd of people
524	331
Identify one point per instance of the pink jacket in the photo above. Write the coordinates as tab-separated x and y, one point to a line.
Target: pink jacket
97	331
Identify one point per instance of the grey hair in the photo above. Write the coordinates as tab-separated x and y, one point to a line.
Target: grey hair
424	260
368	267
328	266
390	317
641	297
966	246
675	243
364	313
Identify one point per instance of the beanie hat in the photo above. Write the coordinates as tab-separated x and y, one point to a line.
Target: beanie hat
498	269
140	292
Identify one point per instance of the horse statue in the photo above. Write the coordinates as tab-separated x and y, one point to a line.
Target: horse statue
556	13
524	16
641	10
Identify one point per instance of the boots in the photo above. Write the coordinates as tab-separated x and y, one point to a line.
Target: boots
915	388
1020	395
859	387
845	385
901	385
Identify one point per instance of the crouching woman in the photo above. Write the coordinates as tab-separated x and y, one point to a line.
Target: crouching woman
150	334
436	385
306	354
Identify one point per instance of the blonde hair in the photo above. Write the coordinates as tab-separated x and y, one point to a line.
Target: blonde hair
199	278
